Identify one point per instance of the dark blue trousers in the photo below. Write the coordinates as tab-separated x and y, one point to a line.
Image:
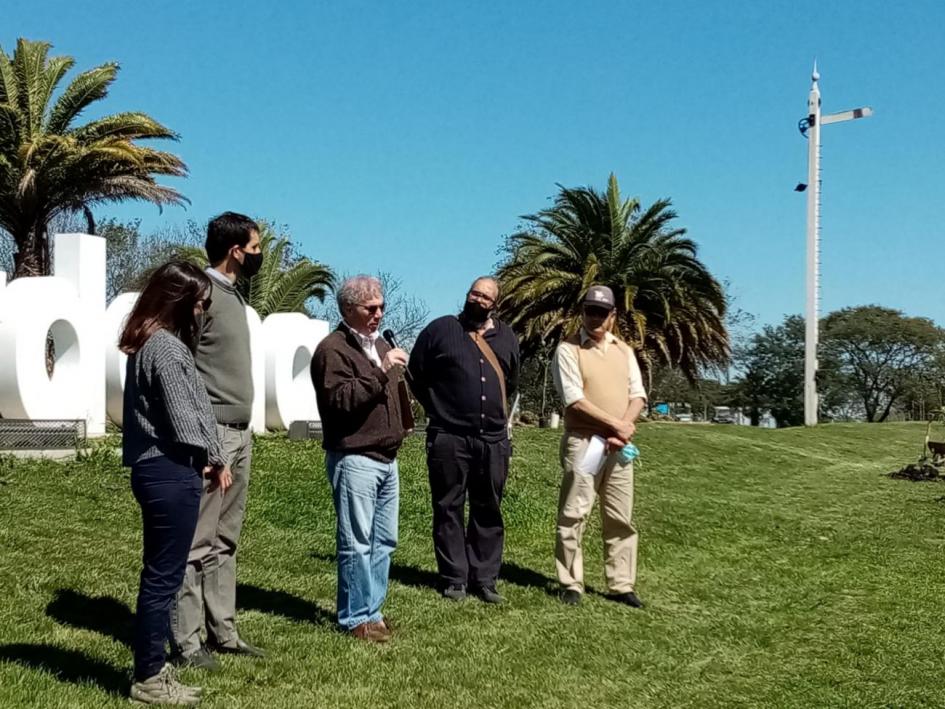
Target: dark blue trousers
168	492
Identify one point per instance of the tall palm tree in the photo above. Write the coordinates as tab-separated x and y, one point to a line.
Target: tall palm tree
669	307
49	165
285	283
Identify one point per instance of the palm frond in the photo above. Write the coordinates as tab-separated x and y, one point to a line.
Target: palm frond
87	88
669	306
49	165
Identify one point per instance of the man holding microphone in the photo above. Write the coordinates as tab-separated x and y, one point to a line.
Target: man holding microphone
365	417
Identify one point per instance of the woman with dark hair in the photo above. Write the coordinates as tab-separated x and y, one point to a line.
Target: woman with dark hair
169	439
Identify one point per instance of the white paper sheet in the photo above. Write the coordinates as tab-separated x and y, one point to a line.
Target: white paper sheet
593	458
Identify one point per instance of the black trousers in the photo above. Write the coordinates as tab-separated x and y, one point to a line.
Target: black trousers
169	494
461	467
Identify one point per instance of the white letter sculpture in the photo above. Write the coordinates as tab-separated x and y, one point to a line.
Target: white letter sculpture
88	375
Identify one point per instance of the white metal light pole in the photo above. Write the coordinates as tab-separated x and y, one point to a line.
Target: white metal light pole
810	126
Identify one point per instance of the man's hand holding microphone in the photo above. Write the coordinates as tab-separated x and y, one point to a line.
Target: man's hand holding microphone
393	359
396	357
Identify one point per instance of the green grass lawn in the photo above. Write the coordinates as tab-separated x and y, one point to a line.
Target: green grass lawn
779	568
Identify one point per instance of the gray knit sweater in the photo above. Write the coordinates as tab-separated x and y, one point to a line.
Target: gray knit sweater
223	354
166	407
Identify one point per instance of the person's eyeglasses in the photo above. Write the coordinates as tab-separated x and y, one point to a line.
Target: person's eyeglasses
592	311
205	304
479	295
373	309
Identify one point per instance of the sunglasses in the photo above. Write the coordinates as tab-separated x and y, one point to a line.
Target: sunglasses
373	309
205	303
595	312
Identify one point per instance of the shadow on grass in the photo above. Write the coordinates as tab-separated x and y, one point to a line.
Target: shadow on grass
67	665
414	576
324	556
101	614
401	573
425	578
288	605
528	578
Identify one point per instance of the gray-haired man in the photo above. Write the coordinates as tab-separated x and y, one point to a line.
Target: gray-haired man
362	403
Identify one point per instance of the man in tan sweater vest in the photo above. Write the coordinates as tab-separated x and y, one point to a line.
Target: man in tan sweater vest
598	379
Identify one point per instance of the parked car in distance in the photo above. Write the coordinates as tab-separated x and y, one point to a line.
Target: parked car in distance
722	414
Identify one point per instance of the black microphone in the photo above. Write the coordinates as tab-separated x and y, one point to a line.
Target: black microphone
391	339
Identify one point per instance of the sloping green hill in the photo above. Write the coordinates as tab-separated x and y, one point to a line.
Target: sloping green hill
779	568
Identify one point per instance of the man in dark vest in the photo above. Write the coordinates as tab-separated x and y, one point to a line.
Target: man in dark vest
463	370
598	379
206	602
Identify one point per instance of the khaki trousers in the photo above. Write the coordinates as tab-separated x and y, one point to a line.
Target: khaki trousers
614	485
207	598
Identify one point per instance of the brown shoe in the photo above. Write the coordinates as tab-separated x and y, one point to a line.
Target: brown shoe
372	632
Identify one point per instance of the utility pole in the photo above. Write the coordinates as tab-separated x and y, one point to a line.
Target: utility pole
810	127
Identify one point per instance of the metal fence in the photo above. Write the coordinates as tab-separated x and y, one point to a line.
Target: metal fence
26	434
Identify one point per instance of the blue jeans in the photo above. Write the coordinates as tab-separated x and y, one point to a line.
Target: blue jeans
366	493
169	494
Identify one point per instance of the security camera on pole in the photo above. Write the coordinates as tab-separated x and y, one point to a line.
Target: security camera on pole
810	128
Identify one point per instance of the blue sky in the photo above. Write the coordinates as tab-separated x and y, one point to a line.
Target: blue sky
409	137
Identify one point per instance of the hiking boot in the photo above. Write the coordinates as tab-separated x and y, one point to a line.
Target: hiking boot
488	594
163	688
200	659
455	592
570	597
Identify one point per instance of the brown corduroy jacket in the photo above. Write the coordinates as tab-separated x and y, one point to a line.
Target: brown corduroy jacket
359	405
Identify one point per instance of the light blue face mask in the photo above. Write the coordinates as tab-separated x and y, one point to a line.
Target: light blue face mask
629	453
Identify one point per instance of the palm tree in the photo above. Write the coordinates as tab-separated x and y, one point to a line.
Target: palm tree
49	165
285	283
670	308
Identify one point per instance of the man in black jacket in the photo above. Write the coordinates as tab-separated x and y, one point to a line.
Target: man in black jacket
361	403
463	370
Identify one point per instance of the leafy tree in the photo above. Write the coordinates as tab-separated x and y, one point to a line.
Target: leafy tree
536	390
671	386
772	367
50	165
670	308
130	255
879	354
926	391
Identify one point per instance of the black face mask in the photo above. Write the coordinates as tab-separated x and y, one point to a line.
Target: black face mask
476	313
251	264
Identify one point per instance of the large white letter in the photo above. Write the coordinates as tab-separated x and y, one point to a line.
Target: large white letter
68	307
118	311
290	340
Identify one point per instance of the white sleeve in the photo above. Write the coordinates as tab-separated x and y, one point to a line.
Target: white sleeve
566	373
636	379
